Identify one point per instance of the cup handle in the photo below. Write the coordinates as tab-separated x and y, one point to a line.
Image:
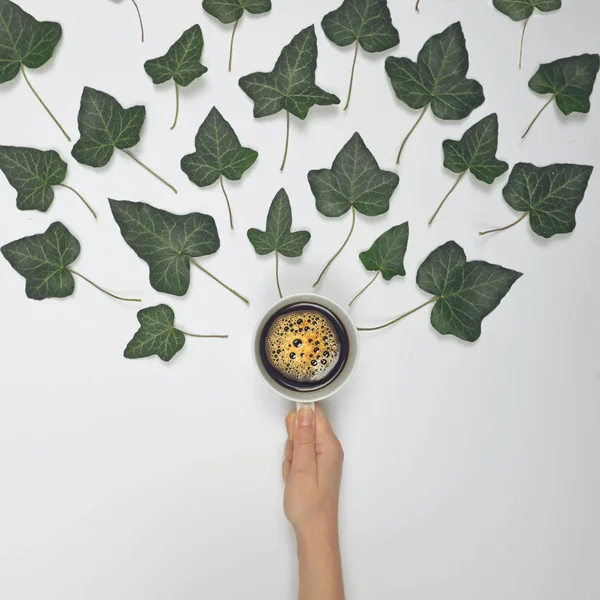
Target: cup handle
299	405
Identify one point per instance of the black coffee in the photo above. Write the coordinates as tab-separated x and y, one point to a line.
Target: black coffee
304	346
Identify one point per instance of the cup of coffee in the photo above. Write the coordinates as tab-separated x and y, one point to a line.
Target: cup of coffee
305	347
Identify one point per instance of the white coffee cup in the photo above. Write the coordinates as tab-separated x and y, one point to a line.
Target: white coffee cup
336	384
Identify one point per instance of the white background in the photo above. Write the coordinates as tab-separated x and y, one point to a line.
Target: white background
472	470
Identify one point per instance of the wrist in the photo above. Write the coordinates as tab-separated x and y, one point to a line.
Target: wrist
318	532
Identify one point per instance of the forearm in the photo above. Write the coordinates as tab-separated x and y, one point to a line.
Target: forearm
320	565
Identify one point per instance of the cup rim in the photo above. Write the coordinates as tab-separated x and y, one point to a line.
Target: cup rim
335	385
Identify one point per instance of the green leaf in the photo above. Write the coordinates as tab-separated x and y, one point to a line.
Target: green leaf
549	195
438	78
569	80
290	86
32	173
518	10
43	260
24	40
476	151
367	23
278	236
157	334
218	154
466	292
104	126
386	255
354	181
182	62
228	11
167	242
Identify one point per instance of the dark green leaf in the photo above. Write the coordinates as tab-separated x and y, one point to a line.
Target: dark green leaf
32	173
518	10
157	334
570	81
218	152
476	151
367	22
182	62
166	241
466	292
105	125
438	77
354	180
43	260
278	236
291	84
24	41
387	252
228	11
549	194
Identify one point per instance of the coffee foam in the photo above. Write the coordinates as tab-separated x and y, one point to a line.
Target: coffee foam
302	345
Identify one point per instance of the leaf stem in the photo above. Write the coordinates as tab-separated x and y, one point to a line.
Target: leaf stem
102	289
316	283
176	105
538	115
139	162
410	133
364	289
417	5
196	335
140	18
352	75
80	197
43	103
277	273
231	44
219	281
410	312
446	197
227	200
522	40
287	142
507	226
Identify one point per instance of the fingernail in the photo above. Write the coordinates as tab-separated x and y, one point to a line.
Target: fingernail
305	417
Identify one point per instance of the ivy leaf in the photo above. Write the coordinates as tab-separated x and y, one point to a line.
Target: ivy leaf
549	195
158	335
355	182
44	260
290	86
569	80
167	242
278	236
231	11
218	154
26	42
386	256
438	78
33	173
367	23
465	292
475	152
519	10
105	125
181	63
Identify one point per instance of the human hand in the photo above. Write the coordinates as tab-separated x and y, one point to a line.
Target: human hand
312	471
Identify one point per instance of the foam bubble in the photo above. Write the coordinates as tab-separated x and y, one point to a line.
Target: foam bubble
302	345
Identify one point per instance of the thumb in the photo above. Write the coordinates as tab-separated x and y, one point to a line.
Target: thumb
304	459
